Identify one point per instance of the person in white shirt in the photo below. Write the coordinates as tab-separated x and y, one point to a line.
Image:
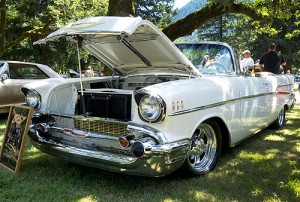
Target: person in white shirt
247	62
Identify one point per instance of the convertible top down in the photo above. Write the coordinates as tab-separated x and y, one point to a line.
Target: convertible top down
162	109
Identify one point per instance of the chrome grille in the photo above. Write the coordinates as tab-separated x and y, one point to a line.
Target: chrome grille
99	126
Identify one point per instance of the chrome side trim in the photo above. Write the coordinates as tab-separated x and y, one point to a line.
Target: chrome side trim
285	85
217	104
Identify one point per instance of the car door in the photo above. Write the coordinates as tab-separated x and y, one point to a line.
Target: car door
11	91
8	87
254	102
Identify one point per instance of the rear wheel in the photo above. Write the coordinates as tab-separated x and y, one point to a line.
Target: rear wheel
280	120
205	149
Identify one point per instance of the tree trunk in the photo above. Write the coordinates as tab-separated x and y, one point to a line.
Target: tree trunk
2	25
120	8
187	25
221	28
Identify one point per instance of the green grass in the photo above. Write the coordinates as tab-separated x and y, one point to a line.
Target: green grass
263	168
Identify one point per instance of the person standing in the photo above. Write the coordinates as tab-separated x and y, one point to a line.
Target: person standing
272	60
247	63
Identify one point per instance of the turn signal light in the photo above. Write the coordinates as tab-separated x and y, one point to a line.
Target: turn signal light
126	141
123	141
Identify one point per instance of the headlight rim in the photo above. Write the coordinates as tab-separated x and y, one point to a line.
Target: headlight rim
161	116
39	101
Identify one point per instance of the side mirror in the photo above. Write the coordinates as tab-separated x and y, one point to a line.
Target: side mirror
247	70
4	77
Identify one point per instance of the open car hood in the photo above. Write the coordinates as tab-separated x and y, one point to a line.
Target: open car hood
127	45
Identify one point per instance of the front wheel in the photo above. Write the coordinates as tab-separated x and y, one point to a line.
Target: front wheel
205	149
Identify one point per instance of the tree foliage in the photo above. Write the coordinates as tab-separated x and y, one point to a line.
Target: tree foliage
25	21
160	12
243	32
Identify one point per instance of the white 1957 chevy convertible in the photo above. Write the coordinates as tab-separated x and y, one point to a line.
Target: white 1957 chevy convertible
164	108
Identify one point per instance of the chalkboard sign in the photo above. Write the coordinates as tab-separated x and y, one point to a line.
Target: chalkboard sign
15	137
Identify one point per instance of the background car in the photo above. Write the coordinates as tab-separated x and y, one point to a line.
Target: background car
14	74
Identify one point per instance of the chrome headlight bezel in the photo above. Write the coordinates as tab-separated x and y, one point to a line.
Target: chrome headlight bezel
151	107
33	99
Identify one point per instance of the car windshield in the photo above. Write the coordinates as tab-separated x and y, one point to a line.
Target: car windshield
208	58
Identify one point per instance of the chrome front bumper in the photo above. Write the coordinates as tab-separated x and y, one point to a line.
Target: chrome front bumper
103	151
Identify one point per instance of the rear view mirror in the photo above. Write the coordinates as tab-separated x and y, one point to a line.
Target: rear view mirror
4	77
247	70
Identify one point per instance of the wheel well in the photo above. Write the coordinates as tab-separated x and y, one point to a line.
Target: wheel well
224	133
287	108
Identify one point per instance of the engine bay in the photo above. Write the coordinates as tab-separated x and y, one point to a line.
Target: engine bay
113	98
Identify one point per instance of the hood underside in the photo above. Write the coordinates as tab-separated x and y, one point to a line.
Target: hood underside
127	45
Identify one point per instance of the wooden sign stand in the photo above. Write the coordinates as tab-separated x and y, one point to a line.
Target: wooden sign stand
15	137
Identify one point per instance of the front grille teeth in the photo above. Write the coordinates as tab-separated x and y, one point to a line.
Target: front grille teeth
103	127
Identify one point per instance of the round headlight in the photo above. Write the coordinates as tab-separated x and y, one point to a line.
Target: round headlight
33	99
150	108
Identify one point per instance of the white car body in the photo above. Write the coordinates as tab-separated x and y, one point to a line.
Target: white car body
167	113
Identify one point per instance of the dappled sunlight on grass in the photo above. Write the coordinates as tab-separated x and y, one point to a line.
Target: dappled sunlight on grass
297	147
33	153
274	138
169	200
256	191
202	196
87	199
256	157
234	174
2	124
295	186
293	163
294	130
2	130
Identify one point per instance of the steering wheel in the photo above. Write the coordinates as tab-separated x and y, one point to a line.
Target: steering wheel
218	65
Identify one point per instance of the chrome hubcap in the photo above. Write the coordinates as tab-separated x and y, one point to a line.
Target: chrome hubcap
203	148
281	116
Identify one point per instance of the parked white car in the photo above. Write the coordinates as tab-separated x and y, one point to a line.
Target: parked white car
163	109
